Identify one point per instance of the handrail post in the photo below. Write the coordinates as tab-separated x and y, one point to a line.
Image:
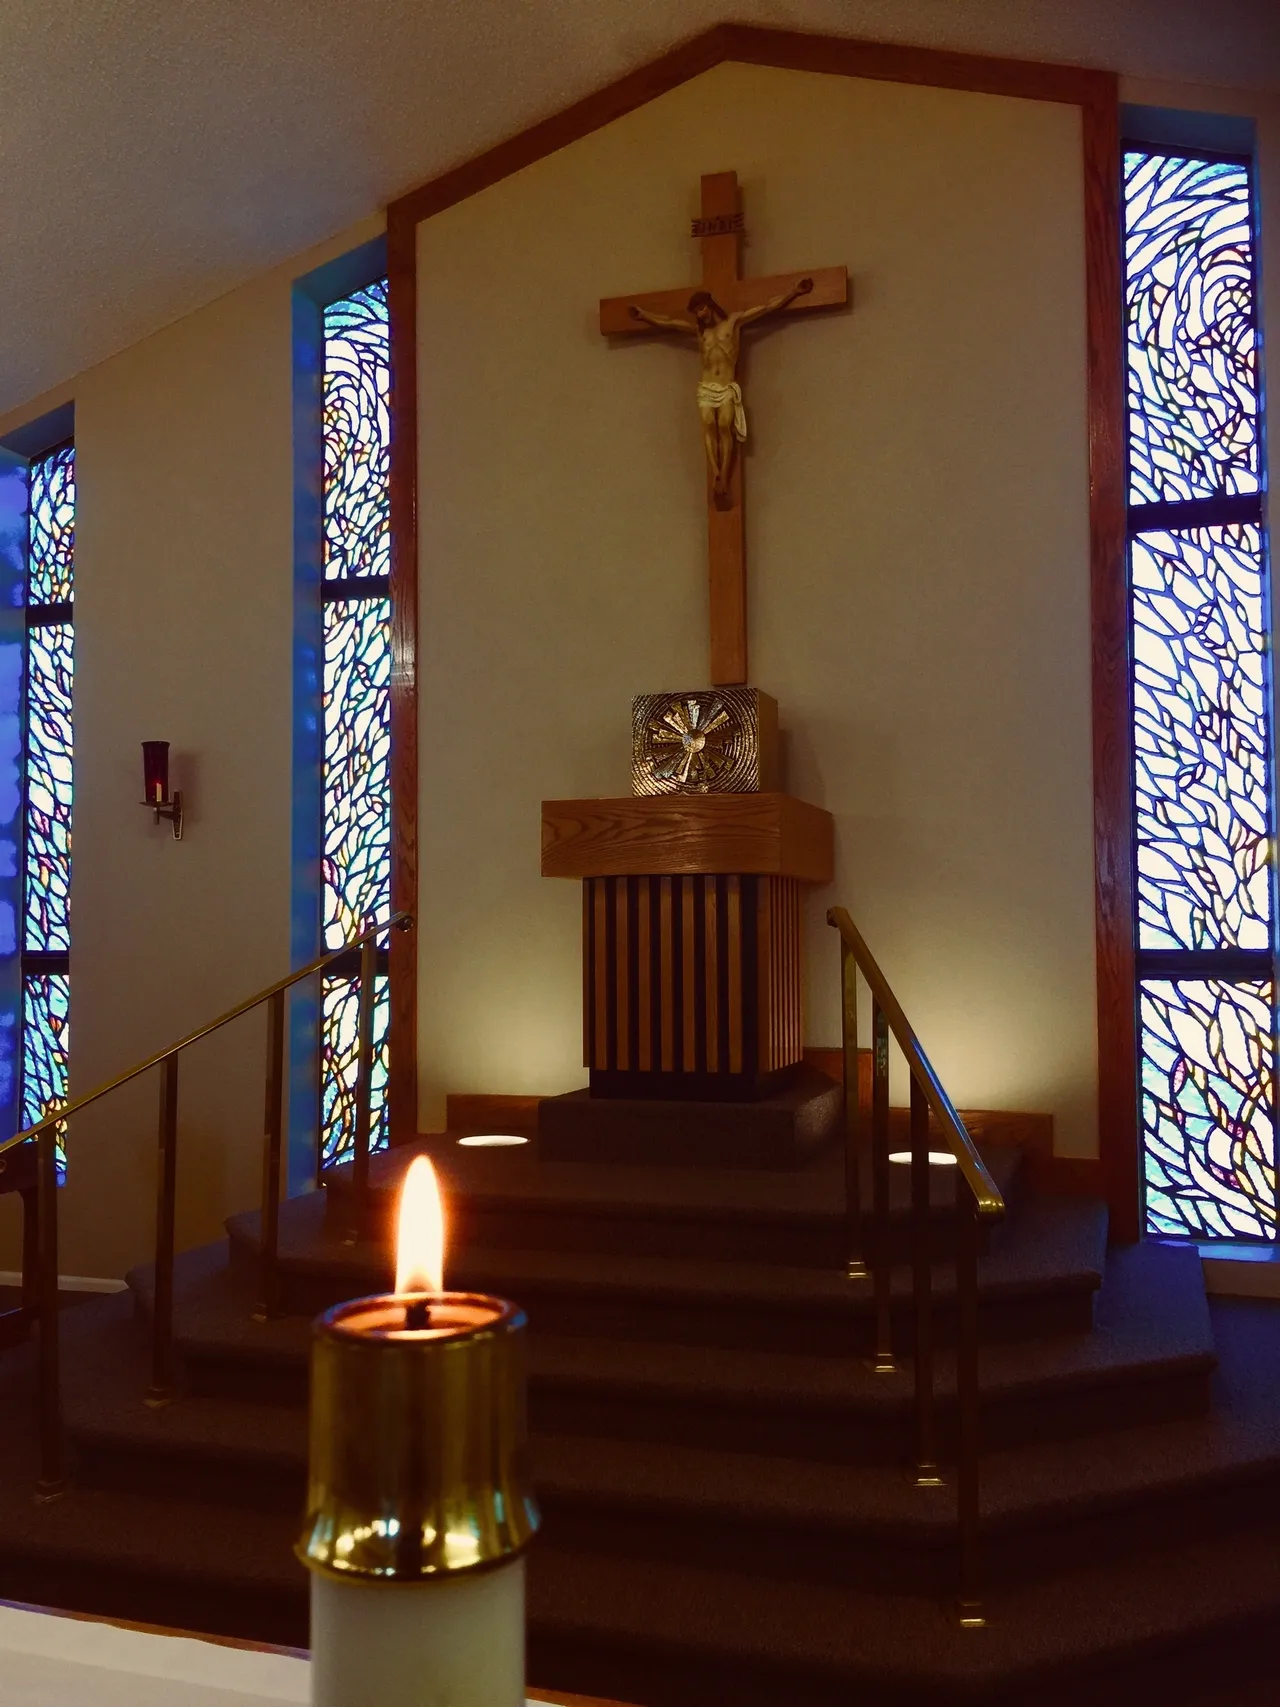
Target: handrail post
318	988
52	1480
31	1244
922	1286
882	1360
967	1395
364	1085
161	1390
273	1134
855	1250
397	921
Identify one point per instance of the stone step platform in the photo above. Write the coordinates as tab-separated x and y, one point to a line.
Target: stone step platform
1147	1357
1039	1276
519	1198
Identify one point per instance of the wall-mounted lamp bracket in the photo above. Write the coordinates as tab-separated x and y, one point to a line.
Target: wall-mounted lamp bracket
171	809
155	785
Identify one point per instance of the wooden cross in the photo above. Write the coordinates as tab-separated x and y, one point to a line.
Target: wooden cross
720	229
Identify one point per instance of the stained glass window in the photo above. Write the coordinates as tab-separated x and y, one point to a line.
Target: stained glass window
1192	336
356	860
1202	735
357	766
1208	1064
46	865
1201	727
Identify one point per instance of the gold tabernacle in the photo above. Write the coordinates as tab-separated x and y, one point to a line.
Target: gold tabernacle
706	741
417	1464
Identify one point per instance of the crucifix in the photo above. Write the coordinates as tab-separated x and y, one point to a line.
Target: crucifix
715	315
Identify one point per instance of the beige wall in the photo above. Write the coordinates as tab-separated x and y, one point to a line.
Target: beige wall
917	532
184	627
928	653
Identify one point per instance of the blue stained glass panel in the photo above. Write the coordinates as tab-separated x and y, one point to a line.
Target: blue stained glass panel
340	1049
45	1043
356	857
1201	722
357	766
52	528
1204	814
357	435
46	867
47	876
1208	1065
1192	339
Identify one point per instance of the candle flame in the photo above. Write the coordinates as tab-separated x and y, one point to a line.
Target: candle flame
420	1231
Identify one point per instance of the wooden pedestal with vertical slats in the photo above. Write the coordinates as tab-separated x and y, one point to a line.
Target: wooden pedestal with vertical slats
691	974
691	984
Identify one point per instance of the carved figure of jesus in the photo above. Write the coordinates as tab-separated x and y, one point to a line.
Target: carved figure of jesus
720	407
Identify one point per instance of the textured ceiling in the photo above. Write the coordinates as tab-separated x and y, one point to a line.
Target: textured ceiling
158	152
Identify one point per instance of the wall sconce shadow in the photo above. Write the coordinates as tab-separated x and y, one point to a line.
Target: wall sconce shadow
155	785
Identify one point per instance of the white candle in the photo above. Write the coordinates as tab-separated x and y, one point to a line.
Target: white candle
417	1513
453	1643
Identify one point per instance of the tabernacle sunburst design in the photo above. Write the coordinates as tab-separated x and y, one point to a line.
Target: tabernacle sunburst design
708	741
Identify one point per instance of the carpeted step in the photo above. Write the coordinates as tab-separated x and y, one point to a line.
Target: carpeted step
211	1449
1149	1358
865	1525
683	1635
1045	1506
678	1635
674	1631
224	1569
1038	1277
857	1522
515	1197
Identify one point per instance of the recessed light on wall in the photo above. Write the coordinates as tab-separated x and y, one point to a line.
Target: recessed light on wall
937	1158
491	1140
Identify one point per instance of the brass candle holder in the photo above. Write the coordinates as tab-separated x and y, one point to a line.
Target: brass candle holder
417	1464
418	1502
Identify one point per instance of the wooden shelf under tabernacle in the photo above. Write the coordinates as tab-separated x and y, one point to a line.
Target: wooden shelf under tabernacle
676	835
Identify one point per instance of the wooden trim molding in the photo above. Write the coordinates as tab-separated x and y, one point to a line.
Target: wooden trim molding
402	302
1057	1176
749	44
1096	94
465	1115
1118	1140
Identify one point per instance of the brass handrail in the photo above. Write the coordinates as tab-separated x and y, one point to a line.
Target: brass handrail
163	1386
978	1200
397	921
986	1194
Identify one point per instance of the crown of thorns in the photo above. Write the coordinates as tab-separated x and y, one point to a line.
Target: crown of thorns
704	299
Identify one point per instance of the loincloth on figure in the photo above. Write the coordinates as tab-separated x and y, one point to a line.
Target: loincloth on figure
713	395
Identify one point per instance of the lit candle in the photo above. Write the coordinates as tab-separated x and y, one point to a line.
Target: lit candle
417	1507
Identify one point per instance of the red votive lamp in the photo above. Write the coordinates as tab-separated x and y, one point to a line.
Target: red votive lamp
155	772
